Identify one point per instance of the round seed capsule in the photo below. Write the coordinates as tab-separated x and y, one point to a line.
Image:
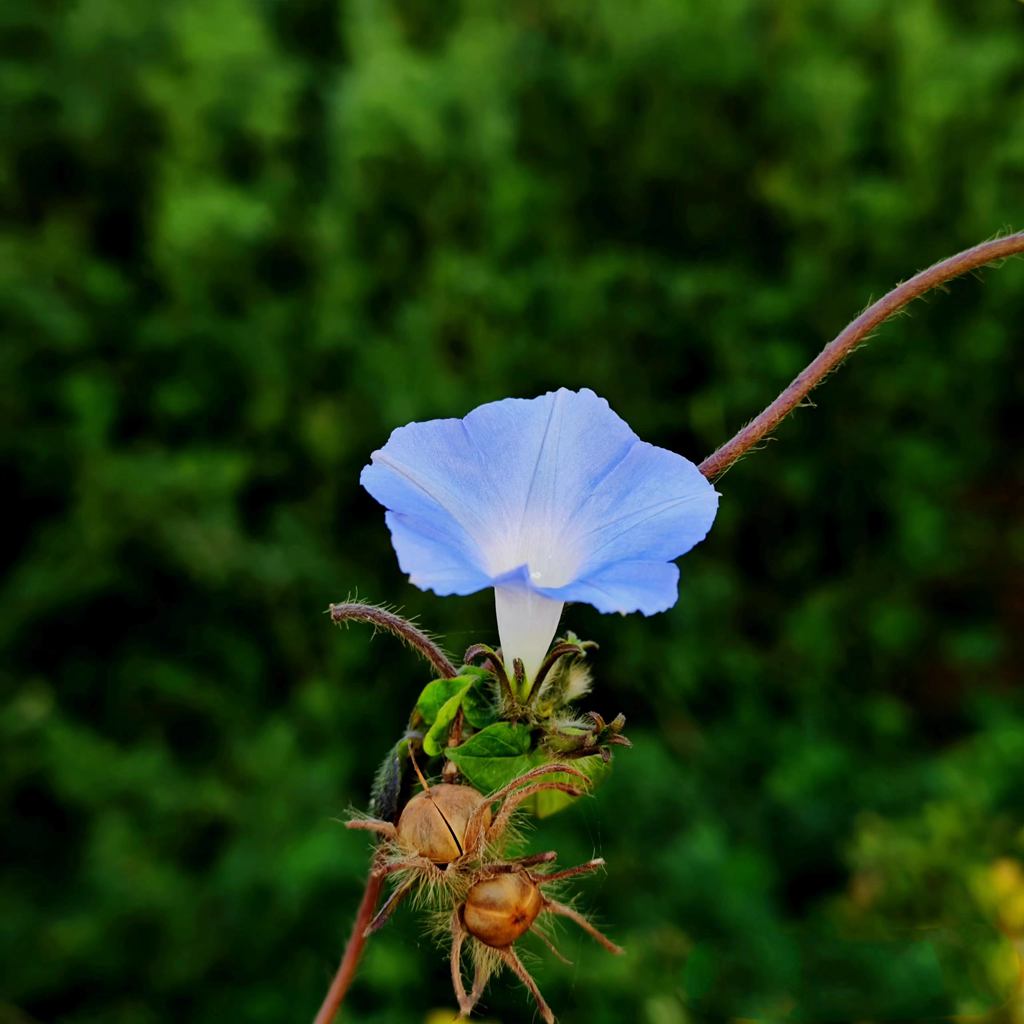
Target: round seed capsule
499	910
433	822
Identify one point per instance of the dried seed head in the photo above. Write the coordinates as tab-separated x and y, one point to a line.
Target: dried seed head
499	910
433	822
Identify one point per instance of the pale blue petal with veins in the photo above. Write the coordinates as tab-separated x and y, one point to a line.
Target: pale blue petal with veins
548	500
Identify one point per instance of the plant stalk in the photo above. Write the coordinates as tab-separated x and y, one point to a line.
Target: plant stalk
848	339
353	949
408	632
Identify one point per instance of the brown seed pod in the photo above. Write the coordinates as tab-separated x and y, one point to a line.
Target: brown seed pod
500	910
434	822
501	906
446	831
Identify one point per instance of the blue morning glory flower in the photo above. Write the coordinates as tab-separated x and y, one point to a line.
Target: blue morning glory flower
547	500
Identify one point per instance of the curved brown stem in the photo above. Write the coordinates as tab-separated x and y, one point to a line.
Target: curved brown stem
353	950
849	338
406	631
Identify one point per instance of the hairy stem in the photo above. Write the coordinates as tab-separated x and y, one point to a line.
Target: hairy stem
353	949
407	632
849	338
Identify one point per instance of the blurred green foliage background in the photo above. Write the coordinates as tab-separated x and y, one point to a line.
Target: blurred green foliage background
244	240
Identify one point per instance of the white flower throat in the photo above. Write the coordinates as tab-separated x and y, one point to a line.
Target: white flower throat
527	623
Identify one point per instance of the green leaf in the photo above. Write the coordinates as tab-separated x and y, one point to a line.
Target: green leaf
441	699
433	742
496	755
436	694
489	774
478	703
503	739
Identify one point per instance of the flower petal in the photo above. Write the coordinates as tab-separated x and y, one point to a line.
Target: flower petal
548	500
430	479
549	454
635	586
496	486
431	559
653	506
